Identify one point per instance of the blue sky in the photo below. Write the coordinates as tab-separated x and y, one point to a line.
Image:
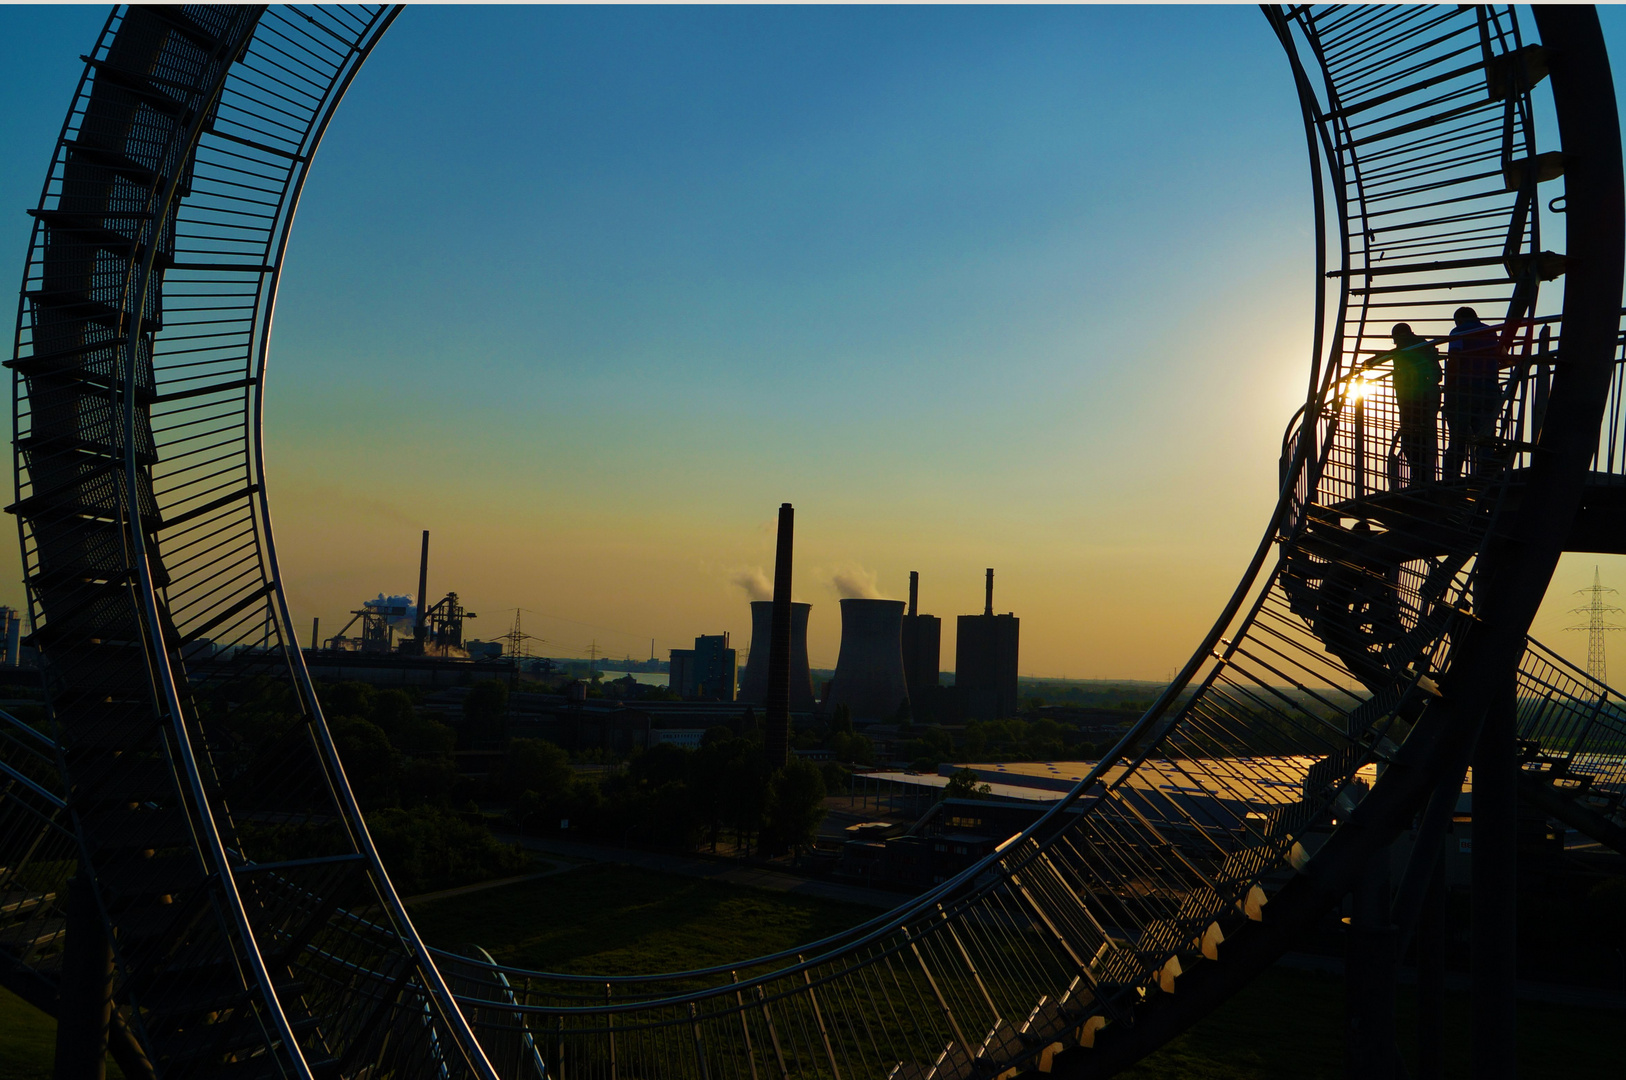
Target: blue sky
589	291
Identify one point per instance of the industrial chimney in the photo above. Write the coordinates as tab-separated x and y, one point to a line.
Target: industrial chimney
420	627
869	670
985	658
754	681
922	652
776	729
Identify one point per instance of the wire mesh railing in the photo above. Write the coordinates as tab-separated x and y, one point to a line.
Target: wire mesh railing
254	922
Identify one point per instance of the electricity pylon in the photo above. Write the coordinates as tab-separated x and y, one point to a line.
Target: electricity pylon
516	639
1596	627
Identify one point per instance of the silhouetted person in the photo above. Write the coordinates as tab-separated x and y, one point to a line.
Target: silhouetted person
1473	393
1416	382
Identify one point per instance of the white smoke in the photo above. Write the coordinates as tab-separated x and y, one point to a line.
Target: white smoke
402	611
856	583
754	582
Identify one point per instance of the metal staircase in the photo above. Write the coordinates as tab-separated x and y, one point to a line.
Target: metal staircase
196	789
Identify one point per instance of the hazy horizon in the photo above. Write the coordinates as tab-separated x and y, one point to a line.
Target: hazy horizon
588	292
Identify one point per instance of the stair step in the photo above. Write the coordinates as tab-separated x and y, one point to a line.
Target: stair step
1003	1043
953	1064
138	829
162	99
102	157
134	877
74	304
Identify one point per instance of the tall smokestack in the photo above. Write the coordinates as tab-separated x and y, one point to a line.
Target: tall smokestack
987	604
776	736
419	628
316	625
922	651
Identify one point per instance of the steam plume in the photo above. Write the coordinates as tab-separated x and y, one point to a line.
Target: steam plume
856	584
755	583
403	610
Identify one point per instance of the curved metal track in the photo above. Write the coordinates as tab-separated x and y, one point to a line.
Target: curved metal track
254	930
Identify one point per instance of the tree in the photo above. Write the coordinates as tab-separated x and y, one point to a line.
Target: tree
711	769
428	781
745	793
964	785
795	806
848	746
428	849
347	699
534	765
660	764
484	710
410	731
369	761
837	778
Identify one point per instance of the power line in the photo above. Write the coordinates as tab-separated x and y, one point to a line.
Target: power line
517	639
1596	627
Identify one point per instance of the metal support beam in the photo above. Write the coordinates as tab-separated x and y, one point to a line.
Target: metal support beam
1369	977
85	1004
1432	928
1495	883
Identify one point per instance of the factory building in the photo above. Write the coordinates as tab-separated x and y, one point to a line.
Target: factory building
922	652
707	672
869	677
400	643
11	624
985	662
754	680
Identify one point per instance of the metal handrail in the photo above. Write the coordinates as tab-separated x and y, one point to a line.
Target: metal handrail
1119	867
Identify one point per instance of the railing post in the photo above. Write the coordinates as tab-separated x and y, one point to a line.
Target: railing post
942	1002
699	1043
818	1018
1360	448
1544	382
745	1027
773	1033
609	1030
993	1010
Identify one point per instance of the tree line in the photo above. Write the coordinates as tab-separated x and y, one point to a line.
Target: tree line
671	797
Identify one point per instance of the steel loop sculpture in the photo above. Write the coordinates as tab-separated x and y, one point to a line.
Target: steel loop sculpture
182	861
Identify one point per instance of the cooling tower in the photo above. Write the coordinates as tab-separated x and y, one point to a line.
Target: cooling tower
754	680
869	671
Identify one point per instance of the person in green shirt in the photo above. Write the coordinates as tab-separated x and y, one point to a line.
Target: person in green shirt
1416	381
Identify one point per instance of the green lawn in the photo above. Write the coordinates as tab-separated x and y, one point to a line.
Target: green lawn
615	920
28	1041
1286	1026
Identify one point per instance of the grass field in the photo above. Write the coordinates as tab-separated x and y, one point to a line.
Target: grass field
27	1040
615	920
1287	1025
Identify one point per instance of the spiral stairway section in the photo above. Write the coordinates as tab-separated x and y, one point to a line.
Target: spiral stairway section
187	776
